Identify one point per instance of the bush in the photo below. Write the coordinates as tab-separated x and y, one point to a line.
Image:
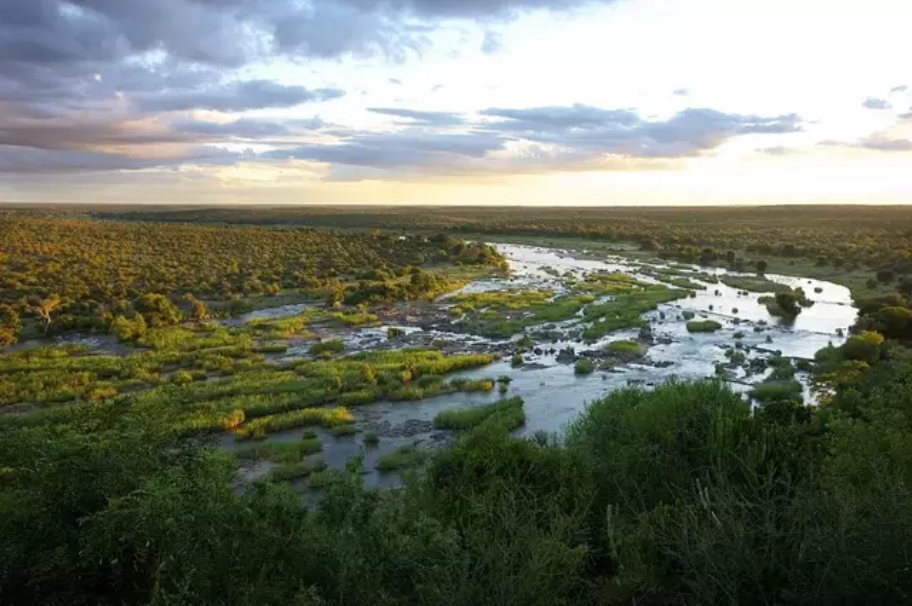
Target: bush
632	348
584	366
703	326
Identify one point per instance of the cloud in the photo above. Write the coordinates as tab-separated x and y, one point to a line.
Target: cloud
778	150
880	141
623	132
236	97
530	140
420	117
874	103
885	144
680	92
245	128
411	149
26	160
899	89
492	43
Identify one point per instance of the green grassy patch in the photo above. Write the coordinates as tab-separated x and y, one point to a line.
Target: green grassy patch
506	413
401	458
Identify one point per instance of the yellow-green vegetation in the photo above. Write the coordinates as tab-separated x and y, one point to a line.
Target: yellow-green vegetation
505	413
703	326
326	417
252	398
401	458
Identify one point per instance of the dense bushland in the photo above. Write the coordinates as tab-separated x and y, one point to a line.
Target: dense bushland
679	495
69	273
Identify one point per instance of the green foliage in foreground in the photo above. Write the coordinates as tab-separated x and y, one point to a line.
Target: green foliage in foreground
505	413
674	496
703	326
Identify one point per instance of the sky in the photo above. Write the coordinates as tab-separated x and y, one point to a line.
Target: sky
548	102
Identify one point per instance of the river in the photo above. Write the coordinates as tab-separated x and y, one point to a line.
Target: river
554	395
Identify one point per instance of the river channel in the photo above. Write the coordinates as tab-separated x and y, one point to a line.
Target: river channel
554	395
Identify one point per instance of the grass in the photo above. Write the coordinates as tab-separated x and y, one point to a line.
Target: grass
401	458
625	310
506	413
753	284
699	326
280	452
329	418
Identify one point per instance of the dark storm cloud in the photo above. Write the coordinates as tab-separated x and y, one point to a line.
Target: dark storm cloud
236	97
874	103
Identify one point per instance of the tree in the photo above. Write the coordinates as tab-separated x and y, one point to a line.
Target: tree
10	324
43	308
864	347
788	303
761	266
200	313
158	310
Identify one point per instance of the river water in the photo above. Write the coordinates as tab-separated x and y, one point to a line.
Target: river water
554	395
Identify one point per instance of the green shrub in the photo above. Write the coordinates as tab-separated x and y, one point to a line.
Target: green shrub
703	326
584	366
